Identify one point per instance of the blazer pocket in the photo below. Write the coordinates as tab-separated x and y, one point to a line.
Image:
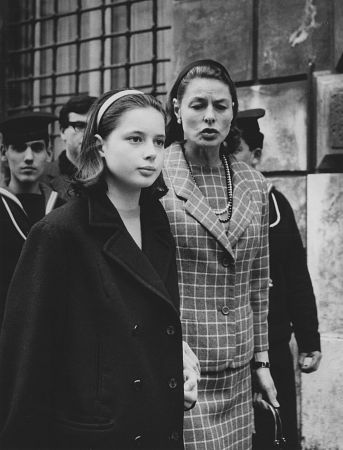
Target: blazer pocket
73	425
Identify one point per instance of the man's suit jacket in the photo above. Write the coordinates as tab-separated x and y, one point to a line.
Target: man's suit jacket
223	273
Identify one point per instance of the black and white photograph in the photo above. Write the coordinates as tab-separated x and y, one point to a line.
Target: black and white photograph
171	224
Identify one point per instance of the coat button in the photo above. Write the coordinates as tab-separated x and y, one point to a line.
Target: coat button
225	310
135	329
225	261
170	330
172	383
175	436
138	440
137	384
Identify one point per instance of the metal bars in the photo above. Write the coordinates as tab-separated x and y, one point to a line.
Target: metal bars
69	67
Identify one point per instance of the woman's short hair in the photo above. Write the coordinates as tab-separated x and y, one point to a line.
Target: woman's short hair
91	164
206	68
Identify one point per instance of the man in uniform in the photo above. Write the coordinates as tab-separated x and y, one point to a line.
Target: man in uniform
73	120
23	199
292	304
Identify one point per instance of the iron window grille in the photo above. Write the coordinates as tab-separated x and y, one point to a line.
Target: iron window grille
59	48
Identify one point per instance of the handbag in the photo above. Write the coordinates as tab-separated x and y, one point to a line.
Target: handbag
268	429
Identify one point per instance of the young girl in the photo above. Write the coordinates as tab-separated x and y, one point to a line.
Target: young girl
91	347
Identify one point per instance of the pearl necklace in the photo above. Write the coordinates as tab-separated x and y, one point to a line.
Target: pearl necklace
228	208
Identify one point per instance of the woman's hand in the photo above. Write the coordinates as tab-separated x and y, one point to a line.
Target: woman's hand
191	377
264	388
263	384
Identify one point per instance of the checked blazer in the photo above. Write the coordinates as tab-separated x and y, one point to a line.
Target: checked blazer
223	270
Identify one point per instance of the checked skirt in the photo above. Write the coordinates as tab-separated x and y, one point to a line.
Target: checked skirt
222	417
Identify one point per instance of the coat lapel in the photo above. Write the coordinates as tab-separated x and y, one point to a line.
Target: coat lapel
157	240
148	267
242	210
195	202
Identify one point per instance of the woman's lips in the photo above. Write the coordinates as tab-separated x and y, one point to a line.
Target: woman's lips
209	132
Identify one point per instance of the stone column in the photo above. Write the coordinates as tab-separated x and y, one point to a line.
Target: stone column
322	391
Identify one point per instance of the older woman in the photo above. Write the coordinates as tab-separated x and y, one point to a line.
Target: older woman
218	211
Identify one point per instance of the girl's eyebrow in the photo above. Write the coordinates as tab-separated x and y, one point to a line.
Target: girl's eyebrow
143	132
134	131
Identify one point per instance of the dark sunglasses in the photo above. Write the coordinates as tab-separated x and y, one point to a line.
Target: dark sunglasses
78	125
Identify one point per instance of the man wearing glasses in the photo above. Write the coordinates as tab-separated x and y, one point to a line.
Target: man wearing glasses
23	198
73	118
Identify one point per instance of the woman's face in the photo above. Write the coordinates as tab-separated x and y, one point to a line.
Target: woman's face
134	150
205	111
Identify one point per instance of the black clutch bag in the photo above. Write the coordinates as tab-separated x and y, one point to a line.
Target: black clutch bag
268	429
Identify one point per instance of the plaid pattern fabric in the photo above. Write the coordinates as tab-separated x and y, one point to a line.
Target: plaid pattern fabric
223	274
212	183
223	280
222	418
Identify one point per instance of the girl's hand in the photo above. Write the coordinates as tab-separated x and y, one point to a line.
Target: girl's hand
190	388
191	376
190	360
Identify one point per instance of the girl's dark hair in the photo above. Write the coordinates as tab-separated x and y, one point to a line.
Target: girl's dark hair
205	68
91	164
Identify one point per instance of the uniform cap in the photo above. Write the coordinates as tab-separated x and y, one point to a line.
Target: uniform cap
247	122
248	119
28	126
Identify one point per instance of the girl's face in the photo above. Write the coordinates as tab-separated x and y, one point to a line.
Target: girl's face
134	150
205	112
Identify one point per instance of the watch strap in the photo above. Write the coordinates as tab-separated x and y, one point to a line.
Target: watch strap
260	365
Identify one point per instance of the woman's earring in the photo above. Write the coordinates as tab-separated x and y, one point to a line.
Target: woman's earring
179	120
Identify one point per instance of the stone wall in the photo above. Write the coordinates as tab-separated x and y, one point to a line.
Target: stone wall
322	392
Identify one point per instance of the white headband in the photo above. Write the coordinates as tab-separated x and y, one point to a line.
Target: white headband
111	100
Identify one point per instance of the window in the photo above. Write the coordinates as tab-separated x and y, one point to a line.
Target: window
59	48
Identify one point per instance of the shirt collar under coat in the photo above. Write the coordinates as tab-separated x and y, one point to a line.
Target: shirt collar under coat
197	205
149	266
17	212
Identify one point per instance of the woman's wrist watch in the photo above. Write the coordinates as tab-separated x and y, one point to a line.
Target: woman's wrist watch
260	365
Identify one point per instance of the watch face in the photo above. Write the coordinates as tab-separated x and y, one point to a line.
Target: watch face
261	365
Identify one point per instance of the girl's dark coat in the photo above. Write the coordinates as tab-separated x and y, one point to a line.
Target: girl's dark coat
91	346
